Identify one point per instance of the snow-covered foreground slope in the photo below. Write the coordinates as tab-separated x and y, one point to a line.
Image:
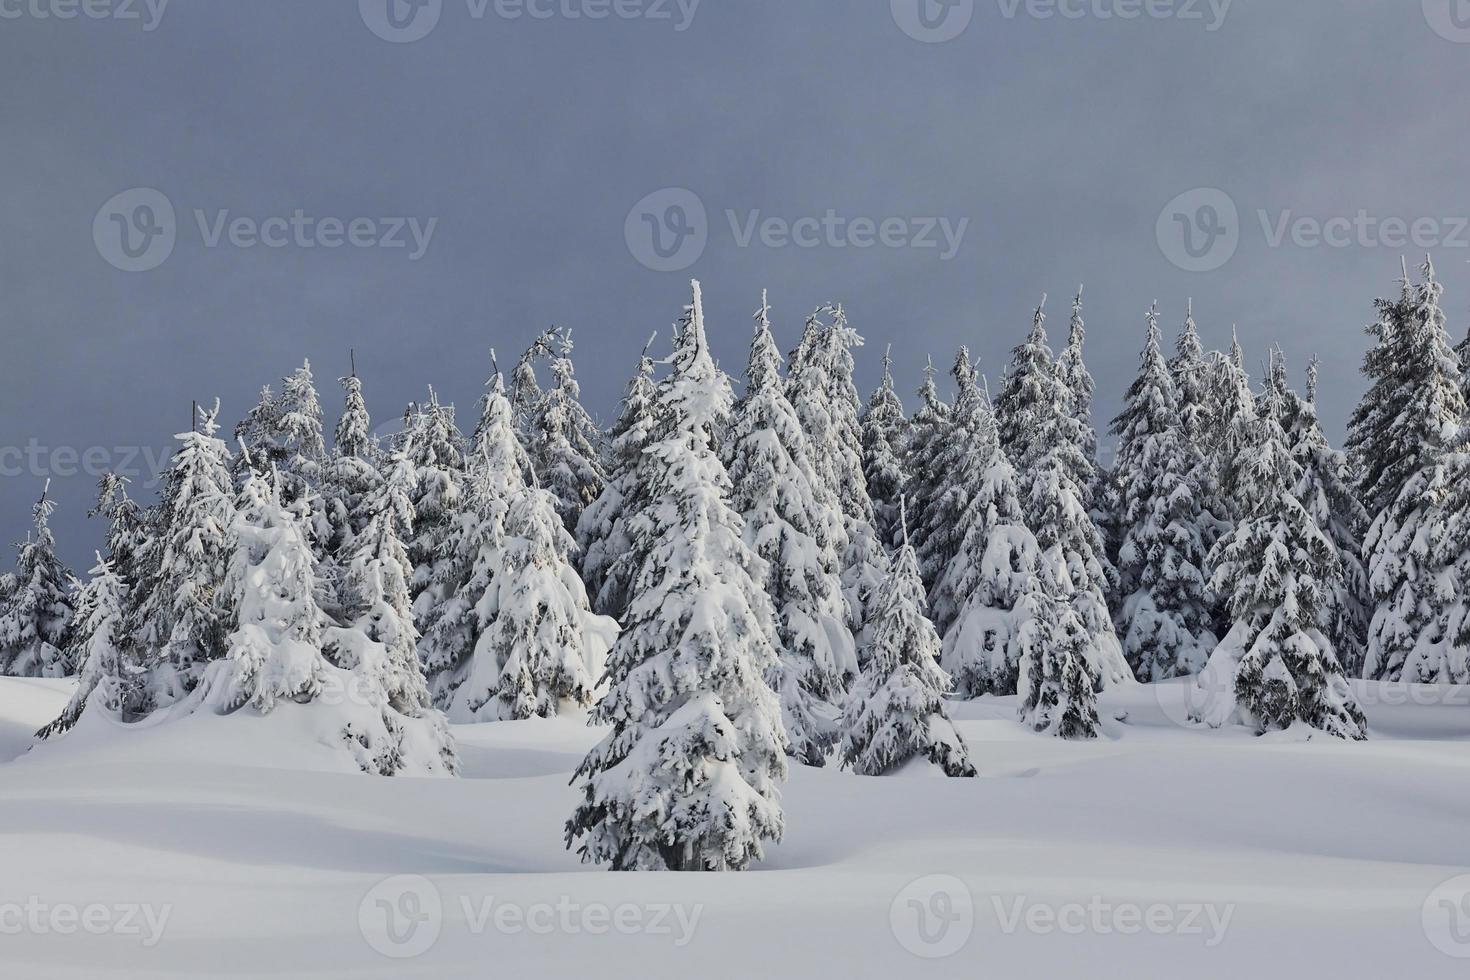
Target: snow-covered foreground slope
221	850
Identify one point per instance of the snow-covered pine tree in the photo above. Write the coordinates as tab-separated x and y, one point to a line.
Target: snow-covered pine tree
787	524
1276	567
927	436
895	713
38	616
525	389
1056	682
1079	389
260	430
108	679
276	662
1189	370
299	425
602	531
540	634
564	440
1043	440
885	436
351	473
1326	491
686	780
974	485
433	445
1164	621
1390	438
821	390
1415	564
187	614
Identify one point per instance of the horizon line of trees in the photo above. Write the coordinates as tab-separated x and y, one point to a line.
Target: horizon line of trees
729	583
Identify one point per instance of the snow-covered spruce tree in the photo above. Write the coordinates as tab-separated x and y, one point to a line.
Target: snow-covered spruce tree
885	436
564	441
276	661
38	615
1056	682
260	430
108	679
895	713
1277	566
350	475
983	589
821	390
1326	491
788	526
1414	567
686	780
1042	438
540	634
382	640
433	445
1079	388
1390	436
974	485
187	613
602	531
1200	422
927	436
525	389
1164	621
496	468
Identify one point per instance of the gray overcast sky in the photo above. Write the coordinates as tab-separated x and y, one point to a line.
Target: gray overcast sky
1060	139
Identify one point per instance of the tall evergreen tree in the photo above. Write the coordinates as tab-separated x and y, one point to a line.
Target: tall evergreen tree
1165	617
37	616
350	475
1326	492
108	680
602	531
1042	437
1277	567
787	524
928	434
896	713
885	435
1056	682
1079	389
189	614
564	440
1412	574
686	779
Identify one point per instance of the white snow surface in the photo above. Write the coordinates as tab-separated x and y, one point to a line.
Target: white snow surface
266	856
